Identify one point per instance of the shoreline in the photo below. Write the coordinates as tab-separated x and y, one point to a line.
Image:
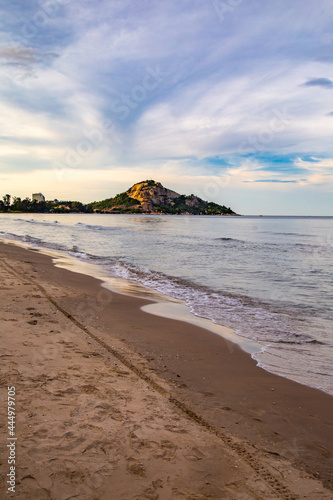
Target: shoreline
181	311
283	422
160	304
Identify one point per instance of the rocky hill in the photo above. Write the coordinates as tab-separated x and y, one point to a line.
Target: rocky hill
151	197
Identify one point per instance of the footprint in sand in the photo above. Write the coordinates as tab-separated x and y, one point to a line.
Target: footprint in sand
167	450
134	466
194	455
30	483
176	429
69	390
89	389
41	433
72	441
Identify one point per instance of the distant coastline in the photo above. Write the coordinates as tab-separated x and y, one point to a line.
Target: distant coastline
146	197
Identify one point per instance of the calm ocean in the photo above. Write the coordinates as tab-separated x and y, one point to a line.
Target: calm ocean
268	278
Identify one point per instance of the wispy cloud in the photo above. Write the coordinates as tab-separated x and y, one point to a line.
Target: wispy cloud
275	181
24	60
319	82
24	55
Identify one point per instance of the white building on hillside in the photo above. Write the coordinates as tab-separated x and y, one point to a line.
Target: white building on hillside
38	197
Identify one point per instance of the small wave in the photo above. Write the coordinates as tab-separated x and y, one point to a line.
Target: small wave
248	317
11	235
228	239
288	234
39	222
95	227
31	239
77	253
298	342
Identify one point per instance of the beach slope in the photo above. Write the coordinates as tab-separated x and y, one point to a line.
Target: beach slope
112	402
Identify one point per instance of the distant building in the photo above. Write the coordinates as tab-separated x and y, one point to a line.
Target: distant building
38	197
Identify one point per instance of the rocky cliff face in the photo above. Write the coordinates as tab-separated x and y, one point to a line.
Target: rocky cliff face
151	197
151	194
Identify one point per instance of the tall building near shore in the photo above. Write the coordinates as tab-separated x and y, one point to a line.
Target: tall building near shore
38	197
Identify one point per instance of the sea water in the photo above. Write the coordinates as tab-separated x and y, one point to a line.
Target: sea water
269	279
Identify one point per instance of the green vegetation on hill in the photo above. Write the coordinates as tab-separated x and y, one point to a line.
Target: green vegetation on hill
121	201
203	208
150	182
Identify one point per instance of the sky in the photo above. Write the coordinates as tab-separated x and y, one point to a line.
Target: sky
230	100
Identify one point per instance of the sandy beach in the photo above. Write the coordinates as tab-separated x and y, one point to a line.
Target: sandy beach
115	403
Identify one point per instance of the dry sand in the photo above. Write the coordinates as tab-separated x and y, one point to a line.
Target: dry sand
113	403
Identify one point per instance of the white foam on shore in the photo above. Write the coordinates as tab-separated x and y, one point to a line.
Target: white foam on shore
181	312
163	305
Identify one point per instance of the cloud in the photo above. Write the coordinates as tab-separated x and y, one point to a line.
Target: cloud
330	113
24	55
276	180
24	60
319	82
314	163
319	171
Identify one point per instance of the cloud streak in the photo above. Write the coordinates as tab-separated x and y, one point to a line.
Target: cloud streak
276	181
24	60
319	82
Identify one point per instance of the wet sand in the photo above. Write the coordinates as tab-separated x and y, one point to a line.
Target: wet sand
115	403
